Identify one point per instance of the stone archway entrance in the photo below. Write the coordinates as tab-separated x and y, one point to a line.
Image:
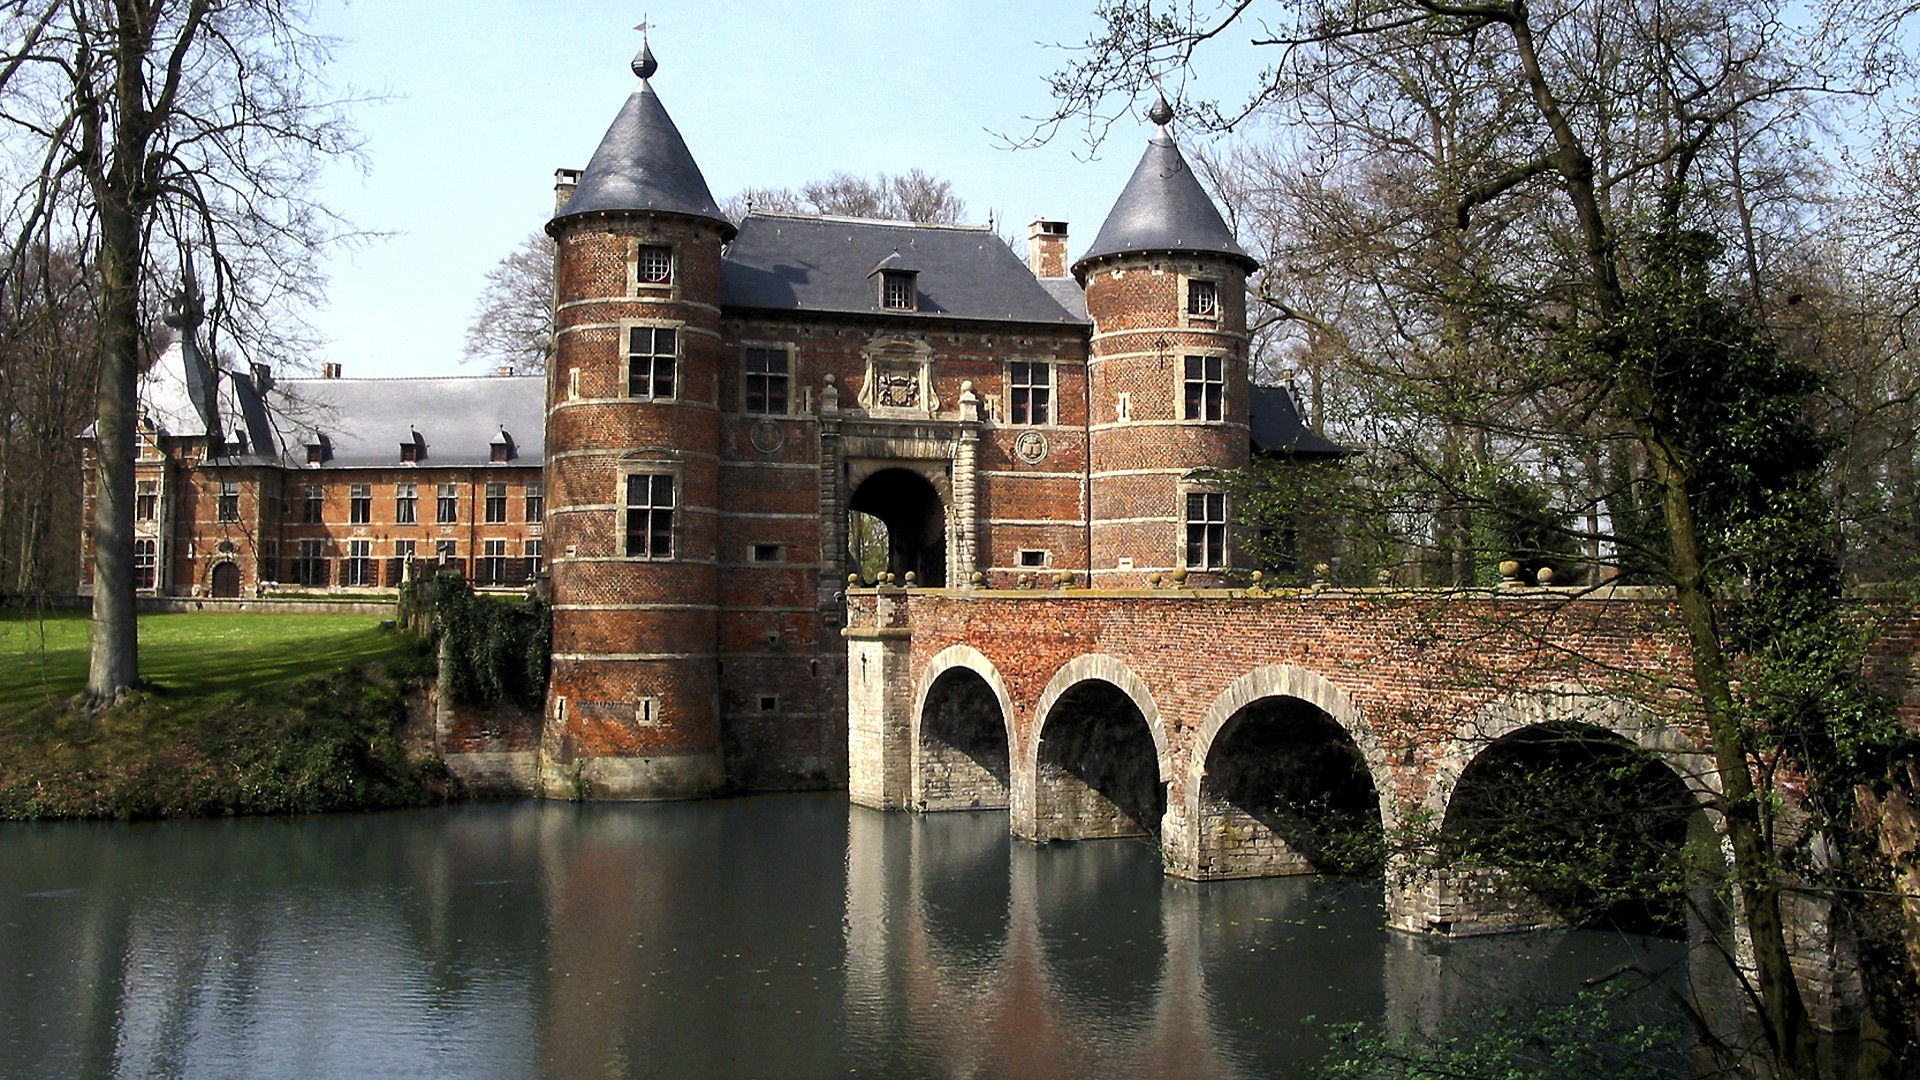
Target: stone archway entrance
226	581
915	517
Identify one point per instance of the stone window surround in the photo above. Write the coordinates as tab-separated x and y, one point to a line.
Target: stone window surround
1185	299
1181	354
636	287
627	327
1194	487
1052	387
650	467
792	376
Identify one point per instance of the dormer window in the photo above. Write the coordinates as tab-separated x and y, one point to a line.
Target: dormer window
414	449
319	449
1203	299
653	264
897	292
501	449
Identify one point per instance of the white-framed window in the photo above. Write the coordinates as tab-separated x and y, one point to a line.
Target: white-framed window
359	503
1203	299
1206	530
146	563
535	552
649	515
359	567
1032	558
651	354
536	503
146	500
766	377
229	500
496	504
406	503
493	562
447	508
313	504
1030	392
1204	388
310	567
653	265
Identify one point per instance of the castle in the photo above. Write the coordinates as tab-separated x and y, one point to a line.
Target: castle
722	399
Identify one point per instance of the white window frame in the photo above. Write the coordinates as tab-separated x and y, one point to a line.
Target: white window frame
671	473
1049	409
1205	357
1217	530
627	331
784	377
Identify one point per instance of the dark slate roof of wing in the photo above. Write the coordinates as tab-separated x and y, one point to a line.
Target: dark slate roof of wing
1068	293
366	420
795	262
1163	208
643	164
1277	428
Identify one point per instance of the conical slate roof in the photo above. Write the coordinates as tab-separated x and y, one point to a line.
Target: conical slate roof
643	163
1163	208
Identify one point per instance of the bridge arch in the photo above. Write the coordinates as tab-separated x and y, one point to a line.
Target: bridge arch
1287	705
1564	805
1105	772
962	734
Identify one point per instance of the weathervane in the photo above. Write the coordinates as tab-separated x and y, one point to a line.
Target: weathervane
644	65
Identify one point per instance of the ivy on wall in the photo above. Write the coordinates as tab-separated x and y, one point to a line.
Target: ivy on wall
491	650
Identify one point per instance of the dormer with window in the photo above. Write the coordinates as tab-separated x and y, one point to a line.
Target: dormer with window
501	449
319	449
898	284
414	450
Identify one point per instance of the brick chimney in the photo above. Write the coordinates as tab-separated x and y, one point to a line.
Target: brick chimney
1047	248
563	185
329	370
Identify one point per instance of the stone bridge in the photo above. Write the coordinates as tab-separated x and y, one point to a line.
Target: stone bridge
1209	719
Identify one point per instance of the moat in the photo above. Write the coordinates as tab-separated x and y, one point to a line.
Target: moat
780	937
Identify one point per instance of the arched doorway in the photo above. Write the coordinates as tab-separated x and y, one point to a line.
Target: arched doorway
226	581
1566	824
916	524
1286	791
963	761
1098	769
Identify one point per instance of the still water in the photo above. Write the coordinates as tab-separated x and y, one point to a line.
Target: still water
780	937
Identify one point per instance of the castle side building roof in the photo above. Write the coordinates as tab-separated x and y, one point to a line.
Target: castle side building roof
643	164
458	419
795	262
1278	429
1163	208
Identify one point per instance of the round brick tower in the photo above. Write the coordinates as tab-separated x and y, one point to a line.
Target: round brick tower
1166	291
632	468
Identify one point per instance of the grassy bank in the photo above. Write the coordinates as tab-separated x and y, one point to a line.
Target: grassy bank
241	714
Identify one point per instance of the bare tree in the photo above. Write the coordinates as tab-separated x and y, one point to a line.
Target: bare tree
914	195
513	321
139	131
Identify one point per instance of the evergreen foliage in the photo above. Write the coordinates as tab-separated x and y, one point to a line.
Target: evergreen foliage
493	650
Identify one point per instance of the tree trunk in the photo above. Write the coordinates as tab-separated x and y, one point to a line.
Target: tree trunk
115	663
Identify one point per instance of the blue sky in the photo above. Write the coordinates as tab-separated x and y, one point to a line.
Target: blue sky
487	100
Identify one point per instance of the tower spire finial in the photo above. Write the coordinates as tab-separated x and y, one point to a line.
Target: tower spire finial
644	65
1161	113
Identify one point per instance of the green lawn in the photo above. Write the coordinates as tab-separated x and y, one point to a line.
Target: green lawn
43	658
240	713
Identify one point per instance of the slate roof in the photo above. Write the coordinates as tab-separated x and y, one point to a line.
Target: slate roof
366	420
1163	208
642	163
796	262
1278	429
